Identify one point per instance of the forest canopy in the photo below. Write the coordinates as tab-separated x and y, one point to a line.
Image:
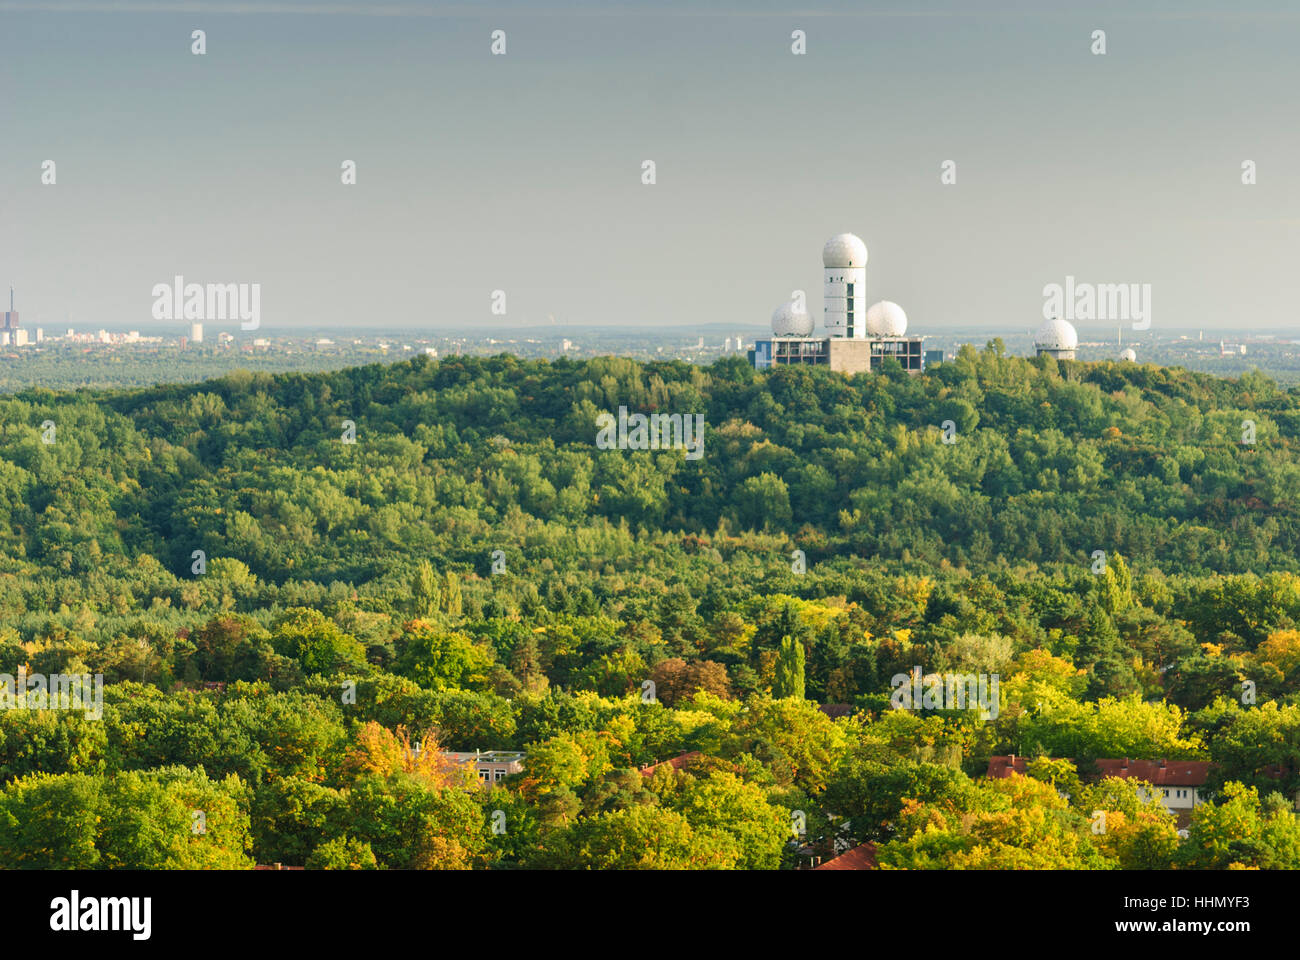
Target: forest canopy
291	625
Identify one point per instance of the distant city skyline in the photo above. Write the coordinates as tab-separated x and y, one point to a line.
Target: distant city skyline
713	334
523	172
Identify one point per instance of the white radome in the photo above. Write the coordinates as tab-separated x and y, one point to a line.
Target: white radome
1128	353
1056	335
886	319
786	322
844	250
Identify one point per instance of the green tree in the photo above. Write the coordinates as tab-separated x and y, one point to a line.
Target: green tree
316	642
789	671
343	853
1240	831
723	803
638	838
763	502
171	818
439	659
424	590
452	603
409	826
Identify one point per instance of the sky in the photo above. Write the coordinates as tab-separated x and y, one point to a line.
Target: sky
523	172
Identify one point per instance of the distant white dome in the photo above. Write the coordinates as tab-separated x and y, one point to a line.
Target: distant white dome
844	250
886	319
1056	335
786	322
1128	354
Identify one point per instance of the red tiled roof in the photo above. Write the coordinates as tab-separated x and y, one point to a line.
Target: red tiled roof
861	857
1002	767
1159	773
676	762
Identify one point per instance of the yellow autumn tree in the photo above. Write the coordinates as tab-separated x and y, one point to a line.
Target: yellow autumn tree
378	750
1282	650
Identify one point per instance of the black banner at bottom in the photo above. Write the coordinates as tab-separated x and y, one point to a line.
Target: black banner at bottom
334	909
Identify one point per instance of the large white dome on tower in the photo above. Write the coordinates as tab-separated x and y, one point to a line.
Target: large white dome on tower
886	319
1128	353
1056	335
844	250
787	322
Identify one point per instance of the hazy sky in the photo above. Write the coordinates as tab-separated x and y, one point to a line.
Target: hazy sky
522	172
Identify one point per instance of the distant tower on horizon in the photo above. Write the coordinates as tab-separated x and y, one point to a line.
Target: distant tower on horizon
11	317
196	333
845	261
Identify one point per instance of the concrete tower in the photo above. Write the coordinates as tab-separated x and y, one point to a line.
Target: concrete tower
845	260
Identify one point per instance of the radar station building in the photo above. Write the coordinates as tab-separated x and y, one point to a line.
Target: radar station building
858	338
1057	338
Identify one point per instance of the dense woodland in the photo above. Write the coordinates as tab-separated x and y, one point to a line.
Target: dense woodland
346	623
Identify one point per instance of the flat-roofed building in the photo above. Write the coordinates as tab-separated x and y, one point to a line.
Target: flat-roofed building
906	350
491	766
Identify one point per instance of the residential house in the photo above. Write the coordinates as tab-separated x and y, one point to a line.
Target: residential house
677	763
1178	783
861	857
